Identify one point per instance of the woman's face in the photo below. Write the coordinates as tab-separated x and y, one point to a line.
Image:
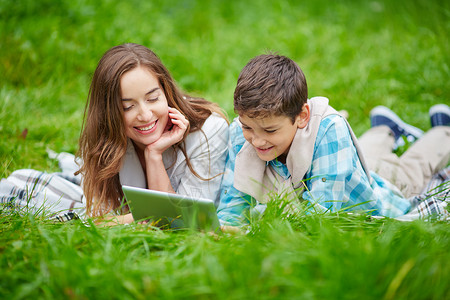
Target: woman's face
145	106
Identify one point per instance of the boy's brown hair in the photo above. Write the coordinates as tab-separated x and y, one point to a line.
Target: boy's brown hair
270	84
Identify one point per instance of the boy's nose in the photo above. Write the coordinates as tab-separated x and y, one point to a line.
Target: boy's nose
258	142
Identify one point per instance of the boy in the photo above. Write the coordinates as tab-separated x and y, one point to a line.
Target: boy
284	143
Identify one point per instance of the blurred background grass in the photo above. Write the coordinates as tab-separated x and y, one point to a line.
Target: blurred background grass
359	54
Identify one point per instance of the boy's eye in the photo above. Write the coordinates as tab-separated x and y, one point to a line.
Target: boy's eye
270	131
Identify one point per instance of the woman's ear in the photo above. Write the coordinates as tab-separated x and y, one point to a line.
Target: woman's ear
303	117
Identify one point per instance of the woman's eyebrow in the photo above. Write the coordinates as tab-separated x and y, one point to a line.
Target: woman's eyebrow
146	94
152	90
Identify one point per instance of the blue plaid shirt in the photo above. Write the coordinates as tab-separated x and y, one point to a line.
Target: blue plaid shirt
335	179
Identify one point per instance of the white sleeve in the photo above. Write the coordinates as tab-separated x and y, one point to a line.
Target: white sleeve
207	151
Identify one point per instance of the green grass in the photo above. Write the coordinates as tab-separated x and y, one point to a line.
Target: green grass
357	53
307	257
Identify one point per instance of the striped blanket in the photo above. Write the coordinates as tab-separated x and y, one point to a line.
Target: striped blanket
59	195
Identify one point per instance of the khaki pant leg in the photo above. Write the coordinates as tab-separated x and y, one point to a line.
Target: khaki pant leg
377	142
376	145
424	158
412	171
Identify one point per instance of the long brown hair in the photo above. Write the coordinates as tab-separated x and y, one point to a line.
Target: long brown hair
103	141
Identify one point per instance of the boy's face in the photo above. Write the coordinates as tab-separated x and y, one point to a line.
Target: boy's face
272	136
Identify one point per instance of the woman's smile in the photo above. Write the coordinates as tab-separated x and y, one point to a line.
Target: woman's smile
146	129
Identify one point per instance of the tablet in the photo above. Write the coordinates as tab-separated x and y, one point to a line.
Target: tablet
169	210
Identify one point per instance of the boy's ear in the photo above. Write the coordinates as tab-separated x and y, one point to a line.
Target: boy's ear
303	117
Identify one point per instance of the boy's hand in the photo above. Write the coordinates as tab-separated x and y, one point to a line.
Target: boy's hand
114	220
230	229
177	125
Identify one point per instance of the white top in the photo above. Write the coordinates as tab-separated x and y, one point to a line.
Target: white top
207	151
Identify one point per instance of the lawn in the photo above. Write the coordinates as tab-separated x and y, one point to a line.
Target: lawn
359	54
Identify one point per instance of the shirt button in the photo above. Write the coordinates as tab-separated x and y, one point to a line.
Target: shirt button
324	179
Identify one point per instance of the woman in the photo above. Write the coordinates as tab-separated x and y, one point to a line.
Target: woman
141	130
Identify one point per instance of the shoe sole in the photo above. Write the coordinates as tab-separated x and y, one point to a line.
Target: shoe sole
384	111
439	108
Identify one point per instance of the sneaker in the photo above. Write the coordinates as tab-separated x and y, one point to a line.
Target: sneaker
440	115
381	115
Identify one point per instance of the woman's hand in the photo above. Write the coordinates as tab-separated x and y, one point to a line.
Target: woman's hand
177	125
157	178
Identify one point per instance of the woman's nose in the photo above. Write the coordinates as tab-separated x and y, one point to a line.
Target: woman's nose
145	113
